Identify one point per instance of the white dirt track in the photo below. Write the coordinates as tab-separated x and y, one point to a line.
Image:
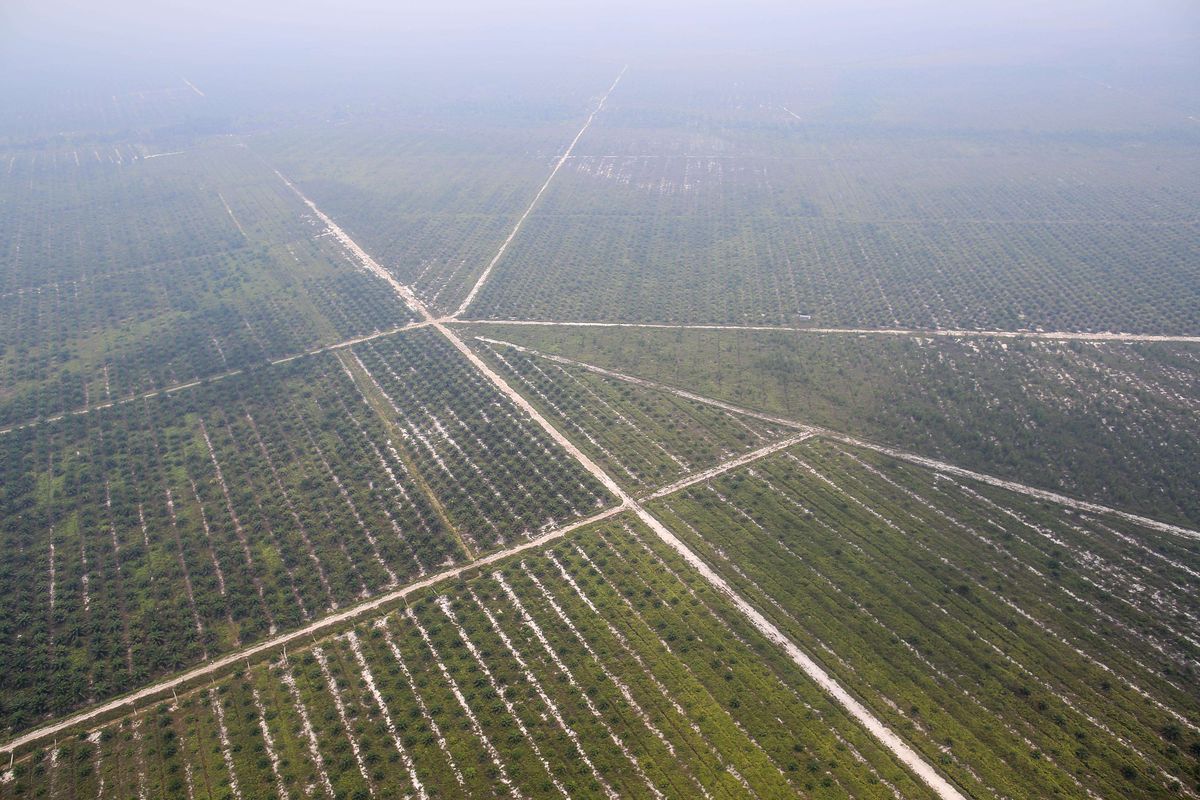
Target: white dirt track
904	753
470	298
900	749
954	333
930	463
322	625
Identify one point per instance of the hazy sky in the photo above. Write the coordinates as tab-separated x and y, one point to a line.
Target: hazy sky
258	48
65	30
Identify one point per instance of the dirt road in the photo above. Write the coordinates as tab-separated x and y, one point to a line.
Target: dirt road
164	687
1066	336
930	463
733	463
557	166
908	756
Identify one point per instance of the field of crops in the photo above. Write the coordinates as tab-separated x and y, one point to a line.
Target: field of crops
715	203
100	112
643	437
125	277
598	667
1025	649
157	533
431	193
1116	422
164	531
287	510
497	473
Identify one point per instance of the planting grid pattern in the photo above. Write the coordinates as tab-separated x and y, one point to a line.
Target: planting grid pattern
498	474
1112	421
776	619
1016	644
156	534
645	438
164	271
702	198
599	667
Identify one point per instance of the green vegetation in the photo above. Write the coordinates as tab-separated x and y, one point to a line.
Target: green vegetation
120	278
598	666
155	534
644	438
1113	422
152	535
747	221
1025	649
498	473
431	206
219	429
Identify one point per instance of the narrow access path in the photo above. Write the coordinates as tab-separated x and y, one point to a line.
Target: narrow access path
930	463
373	395
732	463
322	625
888	738
354	612
662	387
1012	486
178	387
369	263
1069	336
229	210
873	725
470	298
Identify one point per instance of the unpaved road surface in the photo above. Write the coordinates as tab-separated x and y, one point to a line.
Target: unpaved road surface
906	755
661	387
178	387
557	166
320	626
887	737
1066	336
930	463
1012	486
732	463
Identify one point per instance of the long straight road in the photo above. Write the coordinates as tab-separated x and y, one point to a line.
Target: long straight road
904	753
955	333
320	626
470	298
930	463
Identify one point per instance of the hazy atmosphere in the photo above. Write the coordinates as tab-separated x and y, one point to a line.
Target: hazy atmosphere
601	399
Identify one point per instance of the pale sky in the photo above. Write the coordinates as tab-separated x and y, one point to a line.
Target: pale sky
57	44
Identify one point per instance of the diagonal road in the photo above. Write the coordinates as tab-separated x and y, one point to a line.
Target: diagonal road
929	463
839	693
470	298
733	463
179	387
885	735
300	635
955	333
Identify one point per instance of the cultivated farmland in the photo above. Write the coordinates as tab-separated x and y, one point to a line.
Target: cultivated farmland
542	425
600	666
200	263
151	535
1115	422
431	199
1020	647
645	438
702	198
497	473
